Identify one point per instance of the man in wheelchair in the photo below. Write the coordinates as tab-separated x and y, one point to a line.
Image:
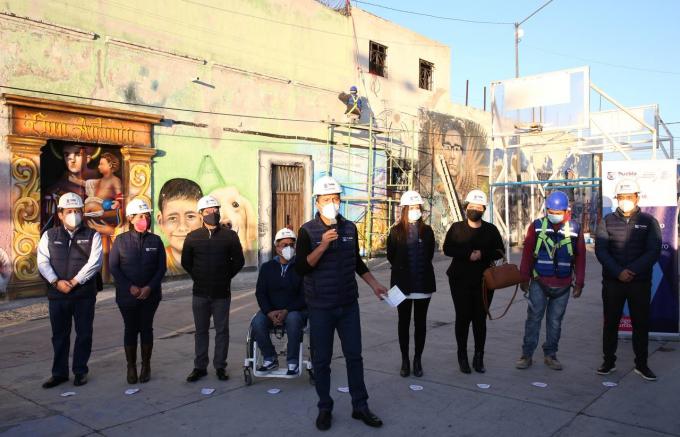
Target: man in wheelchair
281	299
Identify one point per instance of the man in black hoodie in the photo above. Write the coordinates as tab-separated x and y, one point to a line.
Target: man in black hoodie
212	255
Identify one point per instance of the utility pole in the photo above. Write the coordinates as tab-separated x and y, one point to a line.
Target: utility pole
519	33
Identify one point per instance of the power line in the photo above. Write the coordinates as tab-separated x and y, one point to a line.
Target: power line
608	64
422	14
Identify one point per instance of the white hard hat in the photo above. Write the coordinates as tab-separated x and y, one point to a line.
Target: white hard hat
627	186
326	185
207	202
70	200
477	197
284	233
137	206
410	198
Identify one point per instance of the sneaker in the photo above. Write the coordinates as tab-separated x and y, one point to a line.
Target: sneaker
645	372
552	362
268	366
292	369
523	362
606	368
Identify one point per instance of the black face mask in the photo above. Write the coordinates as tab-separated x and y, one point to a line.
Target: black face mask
474	215
212	219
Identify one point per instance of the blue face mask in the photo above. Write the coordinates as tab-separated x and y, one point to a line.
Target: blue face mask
555	218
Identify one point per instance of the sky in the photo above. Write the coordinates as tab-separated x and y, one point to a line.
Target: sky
631	46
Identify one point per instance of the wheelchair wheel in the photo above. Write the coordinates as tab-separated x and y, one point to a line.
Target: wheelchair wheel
312	381
248	376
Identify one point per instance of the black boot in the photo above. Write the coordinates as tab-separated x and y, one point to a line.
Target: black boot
417	367
131	357
145	372
478	362
463	362
405	367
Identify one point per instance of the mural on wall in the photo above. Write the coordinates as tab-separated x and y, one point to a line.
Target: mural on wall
176	212
461	145
92	172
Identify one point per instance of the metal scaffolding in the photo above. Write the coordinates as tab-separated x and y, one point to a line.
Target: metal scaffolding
375	168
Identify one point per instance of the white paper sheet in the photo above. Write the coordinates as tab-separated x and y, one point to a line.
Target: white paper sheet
394	297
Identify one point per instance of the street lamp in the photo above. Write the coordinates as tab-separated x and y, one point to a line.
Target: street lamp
519	33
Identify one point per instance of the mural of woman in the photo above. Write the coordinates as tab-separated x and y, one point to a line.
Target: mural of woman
463	144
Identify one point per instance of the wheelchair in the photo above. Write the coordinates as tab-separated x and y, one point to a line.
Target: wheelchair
254	358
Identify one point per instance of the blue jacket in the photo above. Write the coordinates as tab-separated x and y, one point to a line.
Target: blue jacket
331	283
555	248
279	287
69	255
632	243
137	259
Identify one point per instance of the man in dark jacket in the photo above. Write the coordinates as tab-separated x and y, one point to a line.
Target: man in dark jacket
282	303
328	258
212	255
628	244
69	258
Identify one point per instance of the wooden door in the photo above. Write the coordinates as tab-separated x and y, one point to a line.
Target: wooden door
287	197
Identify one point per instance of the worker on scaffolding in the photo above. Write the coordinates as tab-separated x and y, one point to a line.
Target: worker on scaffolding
628	244
354	104
553	262
328	259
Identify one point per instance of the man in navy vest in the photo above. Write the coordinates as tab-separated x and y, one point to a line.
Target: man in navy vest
553	258
328	258
69	258
628	244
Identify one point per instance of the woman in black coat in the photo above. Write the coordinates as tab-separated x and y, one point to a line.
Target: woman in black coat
410	248
137	263
474	245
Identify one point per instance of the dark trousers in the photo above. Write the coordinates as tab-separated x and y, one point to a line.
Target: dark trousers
218	309
469	307
419	322
62	313
614	296
138	320
323	323
294	324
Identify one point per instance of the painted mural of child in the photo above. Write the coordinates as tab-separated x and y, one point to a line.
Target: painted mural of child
105	193
177	216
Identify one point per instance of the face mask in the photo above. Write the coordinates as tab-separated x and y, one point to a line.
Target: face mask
72	220
474	215
555	218
626	205
330	211
212	219
141	225
414	215
288	252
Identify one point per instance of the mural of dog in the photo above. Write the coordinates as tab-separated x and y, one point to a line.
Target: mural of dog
238	213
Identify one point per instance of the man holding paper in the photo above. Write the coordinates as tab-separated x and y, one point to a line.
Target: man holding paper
328	258
410	248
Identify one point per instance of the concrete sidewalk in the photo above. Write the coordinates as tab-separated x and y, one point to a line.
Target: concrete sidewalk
574	402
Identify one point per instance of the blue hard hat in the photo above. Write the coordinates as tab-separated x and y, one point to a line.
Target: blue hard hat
557	200
353	88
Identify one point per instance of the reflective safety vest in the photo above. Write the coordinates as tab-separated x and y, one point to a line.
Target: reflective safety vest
554	251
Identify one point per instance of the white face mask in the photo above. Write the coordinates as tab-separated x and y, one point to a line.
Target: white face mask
288	252
330	211
626	205
414	215
72	220
555	218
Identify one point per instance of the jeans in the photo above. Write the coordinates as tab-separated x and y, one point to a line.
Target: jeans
614	296
553	303
204	308
138	320
62	311
323	323
294	323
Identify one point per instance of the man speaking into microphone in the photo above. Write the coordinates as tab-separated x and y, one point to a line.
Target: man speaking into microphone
328	258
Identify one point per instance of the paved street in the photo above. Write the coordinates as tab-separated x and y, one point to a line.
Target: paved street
574	402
